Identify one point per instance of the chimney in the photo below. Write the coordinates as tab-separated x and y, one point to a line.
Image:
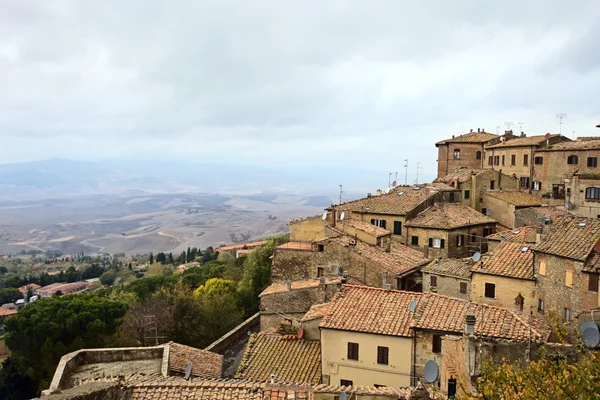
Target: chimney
378	192
426	251
388	245
289	286
538	234
477	130
384	278
321	281
470	324
471	131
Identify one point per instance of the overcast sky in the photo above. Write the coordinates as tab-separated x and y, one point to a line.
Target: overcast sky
289	82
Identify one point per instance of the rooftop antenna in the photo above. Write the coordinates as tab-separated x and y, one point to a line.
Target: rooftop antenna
497	129
560	116
521	126
341	191
406	168
418	168
390	180
396	180
509	125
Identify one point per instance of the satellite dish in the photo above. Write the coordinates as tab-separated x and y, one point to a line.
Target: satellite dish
343	395
476	257
589	324
342	215
591	337
188	371
412	306
324	216
568	205
431	371
488	212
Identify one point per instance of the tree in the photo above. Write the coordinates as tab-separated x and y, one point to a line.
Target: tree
156	269
161	258
41	333
182	258
9	295
214	287
145	287
14	386
188	256
108	278
220	313
151	261
170	259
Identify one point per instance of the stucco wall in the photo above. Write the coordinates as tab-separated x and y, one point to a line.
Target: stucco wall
366	371
446	285
502	211
507	289
307	230
450	250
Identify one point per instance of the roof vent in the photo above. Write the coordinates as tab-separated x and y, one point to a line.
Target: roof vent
416	188
400	194
582	224
524	249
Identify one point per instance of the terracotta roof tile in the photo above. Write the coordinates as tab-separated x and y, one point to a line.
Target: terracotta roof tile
379	311
522	234
400	201
240	246
593	144
515	197
400	260
472	137
367	228
550	211
592	262
460	268
204	363
289	360
299	285
25	288
295	246
570	237
462	175
6	313
513	260
317	311
449	216
537	140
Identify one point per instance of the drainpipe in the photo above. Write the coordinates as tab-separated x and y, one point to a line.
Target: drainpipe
500	180
531	156
414	364
482	156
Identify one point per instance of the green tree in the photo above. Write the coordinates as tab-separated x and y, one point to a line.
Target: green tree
145	287
41	333
161	258
151	260
216	286
170	259
13	385
188	256
108	278
182	258
9	295
220	313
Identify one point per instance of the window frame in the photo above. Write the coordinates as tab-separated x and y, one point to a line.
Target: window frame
438	241
433	281
383	355
436	344
513	159
503	159
492	287
537	185
572	159
567	313
414	240
460	288
467	194
460	240
543	267
352	351
568	278
490	160
397	224
496	160
540	306
492	184
456	154
594	191
346	382
478	155
525	160
593	281
592	162
538	160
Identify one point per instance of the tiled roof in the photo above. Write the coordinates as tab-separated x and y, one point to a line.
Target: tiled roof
522	234
240	246
400	260
204	363
317	311
524	141
593	144
380	311
472	137
592	262
295	246
550	211
460	268
400	201
288	360
449	216
513	260
5	313
570	237
25	288
463	174
299	285
367	228
515	197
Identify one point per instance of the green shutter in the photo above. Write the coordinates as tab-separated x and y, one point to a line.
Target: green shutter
430	242
442	243
467	194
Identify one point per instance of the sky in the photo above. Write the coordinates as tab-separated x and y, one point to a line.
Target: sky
289	83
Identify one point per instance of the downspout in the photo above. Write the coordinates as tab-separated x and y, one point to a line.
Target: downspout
447	157
414	364
531	161
482	156
500	179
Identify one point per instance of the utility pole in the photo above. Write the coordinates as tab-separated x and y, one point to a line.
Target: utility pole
418	168
390	180
406	167
560	116
341	194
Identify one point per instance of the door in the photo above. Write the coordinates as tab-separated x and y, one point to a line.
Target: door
451	388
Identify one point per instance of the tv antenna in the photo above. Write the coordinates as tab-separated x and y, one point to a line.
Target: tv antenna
418	168
560	117
497	129
341	191
389	180
406	168
521	126
509	125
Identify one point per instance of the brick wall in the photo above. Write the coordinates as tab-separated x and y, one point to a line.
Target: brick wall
468	159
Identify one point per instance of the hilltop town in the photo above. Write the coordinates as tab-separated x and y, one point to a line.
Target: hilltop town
404	293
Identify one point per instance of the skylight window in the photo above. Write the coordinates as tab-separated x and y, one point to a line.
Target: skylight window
524	249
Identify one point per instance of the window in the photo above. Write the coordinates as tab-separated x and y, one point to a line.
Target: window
345	382
543	268
473	238
379	222
484	210
478	155
592	162
567	314
524	182
457	154
352	351
320	248
496	160
569	278
525	159
452	197
397	227
379	386
320	272
460	240
414	240
490	160
519	302
490	290
487	231
503	158
540	305
463	288
436	243
572	160
382	355
593	283
467	194
513	159
538	160
433	281
436	344
492	185
592	193
537	185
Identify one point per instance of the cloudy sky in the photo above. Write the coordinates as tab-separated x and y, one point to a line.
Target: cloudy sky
289	82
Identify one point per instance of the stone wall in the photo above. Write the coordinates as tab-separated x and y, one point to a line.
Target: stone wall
507	289
446	285
308	230
451	249
468	159
519	169
424	352
311	329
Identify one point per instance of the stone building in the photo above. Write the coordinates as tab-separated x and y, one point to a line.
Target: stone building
473	182
502	204
538	216
567	266
464	151
312	319
449	277
528	235
309	229
450	230
371	337
505	278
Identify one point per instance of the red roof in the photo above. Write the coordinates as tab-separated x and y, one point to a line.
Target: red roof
240	246
295	246
5	313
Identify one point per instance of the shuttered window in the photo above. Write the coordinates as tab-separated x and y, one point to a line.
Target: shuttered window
382	355
352	351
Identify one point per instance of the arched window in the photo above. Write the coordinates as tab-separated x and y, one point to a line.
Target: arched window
592	193
572	160
478	155
457	154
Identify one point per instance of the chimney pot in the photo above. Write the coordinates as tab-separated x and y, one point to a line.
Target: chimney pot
477	130
470	323
289	286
